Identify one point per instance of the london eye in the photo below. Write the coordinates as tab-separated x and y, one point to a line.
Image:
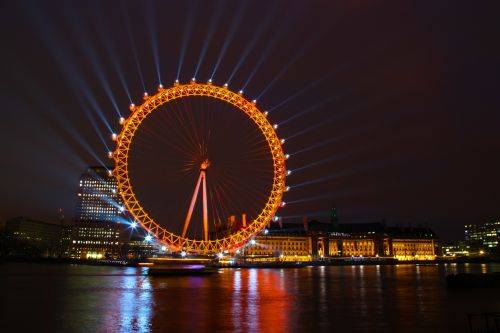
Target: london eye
214	154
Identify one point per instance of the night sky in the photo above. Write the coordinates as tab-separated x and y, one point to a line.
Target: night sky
390	109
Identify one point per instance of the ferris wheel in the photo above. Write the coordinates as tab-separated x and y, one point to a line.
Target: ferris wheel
207	242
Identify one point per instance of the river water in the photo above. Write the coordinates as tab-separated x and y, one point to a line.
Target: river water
405	298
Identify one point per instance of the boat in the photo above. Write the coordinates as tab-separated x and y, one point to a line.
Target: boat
180	270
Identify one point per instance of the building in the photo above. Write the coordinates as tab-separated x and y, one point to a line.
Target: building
282	248
316	240
485	235
138	247
98	197
27	237
97	233
462	249
96	240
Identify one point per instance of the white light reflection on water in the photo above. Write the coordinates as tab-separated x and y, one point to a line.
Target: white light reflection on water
236	311
135	303
253	300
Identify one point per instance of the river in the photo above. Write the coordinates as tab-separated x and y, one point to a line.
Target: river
80	298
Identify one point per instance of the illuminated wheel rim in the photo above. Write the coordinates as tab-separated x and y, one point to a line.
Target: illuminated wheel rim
121	155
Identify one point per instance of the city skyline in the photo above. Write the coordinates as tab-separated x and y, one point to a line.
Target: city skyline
390	124
249	166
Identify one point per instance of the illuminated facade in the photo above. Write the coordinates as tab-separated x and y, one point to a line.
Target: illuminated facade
486	234
97	233
285	248
96	240
323	241
358	247
413	249
98	198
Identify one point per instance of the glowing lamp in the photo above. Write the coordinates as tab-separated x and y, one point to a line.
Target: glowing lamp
252	241
283	204
114	136
266	113
220	255
122	121
276	218
133	225
287	156
266	231
254	101
282	141
164	248
225	85
288	172
146	94
110	154
238	251
287	188
240	92
193	79
209	80
132	106
275	126
148	238
183	254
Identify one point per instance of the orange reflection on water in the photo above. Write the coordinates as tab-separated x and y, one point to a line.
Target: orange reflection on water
260	301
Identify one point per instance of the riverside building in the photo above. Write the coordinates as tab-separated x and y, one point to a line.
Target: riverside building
97	231
322	241
485	235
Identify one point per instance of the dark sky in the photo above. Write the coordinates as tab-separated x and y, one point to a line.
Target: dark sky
390	109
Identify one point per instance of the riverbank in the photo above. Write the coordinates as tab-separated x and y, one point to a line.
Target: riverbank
273	264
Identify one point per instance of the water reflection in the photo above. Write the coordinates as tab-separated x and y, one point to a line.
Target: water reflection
135	303
345	298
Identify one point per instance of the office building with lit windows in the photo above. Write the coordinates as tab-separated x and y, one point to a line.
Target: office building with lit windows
485	235
97	231
98	197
